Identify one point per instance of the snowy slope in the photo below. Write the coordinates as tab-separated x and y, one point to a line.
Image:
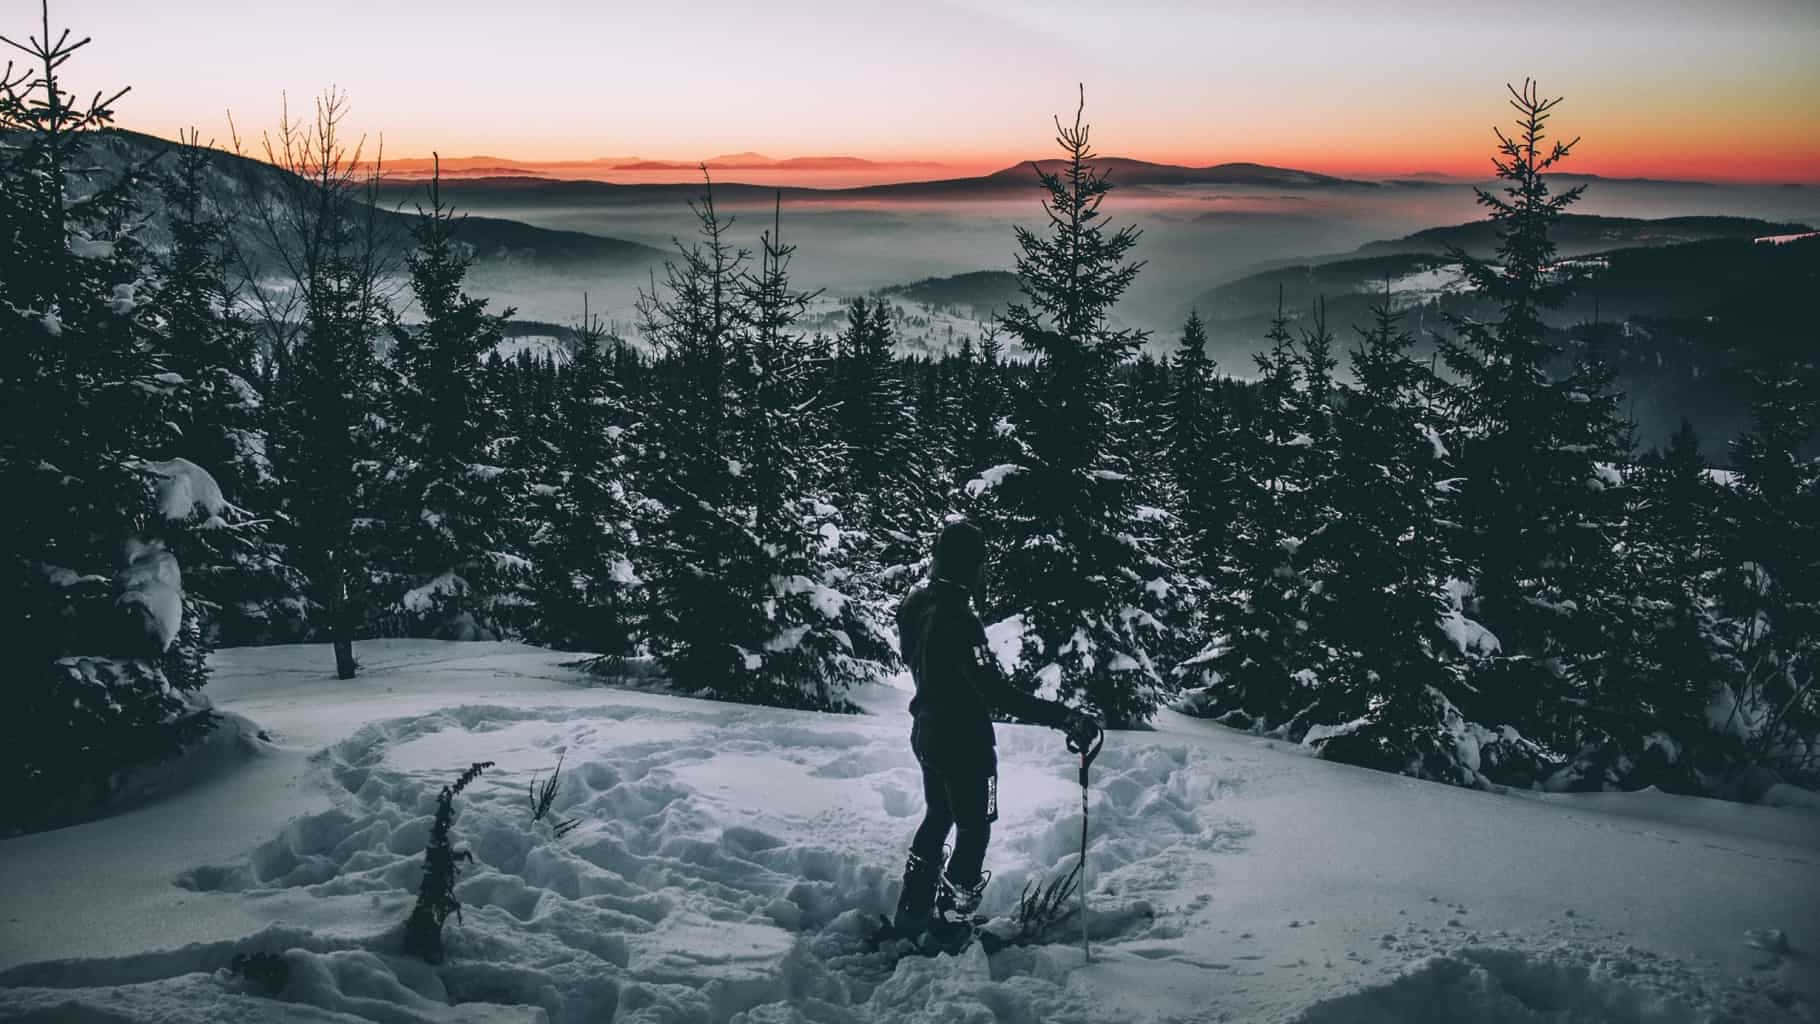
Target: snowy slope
730	856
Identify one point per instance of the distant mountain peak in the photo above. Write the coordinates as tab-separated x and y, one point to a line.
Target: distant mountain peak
1130	171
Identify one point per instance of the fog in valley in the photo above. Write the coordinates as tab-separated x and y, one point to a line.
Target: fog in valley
1194	238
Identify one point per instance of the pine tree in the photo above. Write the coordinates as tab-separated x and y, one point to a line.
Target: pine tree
1143	405
1384	563
1645	724
886	468
1770	643
212	343
816	640
449	503
696	608
323	303
252	592
1196	450
1261	667
106	644
976	420
1077	571
1314	400
1534	453
585	586
743	601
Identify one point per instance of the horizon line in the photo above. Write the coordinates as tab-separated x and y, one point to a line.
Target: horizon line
985	164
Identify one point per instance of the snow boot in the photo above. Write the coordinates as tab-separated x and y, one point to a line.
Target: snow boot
918	896
955	903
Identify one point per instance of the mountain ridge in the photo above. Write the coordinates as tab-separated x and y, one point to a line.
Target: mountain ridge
490	237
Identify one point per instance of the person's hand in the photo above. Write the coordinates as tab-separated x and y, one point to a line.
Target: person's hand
1083	731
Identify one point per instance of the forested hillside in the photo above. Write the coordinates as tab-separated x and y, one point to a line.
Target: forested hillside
234	420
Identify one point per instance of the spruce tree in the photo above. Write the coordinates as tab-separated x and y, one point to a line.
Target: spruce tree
696	608
321	292
744	599
1770	641
1260	667
1195	451
107	645
195	306
1076	571
449	502
976	422
1645	723
816	639
1143	407
212	343
1384	562
1534	453
886	469
585	584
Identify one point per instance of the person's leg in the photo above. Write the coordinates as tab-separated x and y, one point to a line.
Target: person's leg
973	799
938	817
923	866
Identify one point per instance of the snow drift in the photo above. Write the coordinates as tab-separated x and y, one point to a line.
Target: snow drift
732	858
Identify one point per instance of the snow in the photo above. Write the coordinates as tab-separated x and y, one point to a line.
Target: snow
184	487
84	247
423	599
1785	239
824	599
123	300
151	586
539	346
1723	477
729	858
482	471
991	478
1006	639
247	395
622	572
1422	286
1468	636
1434	440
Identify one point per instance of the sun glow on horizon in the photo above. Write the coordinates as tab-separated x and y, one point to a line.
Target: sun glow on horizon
1659	90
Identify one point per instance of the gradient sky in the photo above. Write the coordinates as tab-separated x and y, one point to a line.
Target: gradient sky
1662	88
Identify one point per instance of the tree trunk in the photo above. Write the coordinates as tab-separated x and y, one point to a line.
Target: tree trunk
339	632
345	665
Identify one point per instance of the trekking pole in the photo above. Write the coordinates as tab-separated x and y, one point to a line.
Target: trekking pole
1088	753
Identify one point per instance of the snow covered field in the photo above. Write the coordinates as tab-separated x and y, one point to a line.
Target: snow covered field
730	858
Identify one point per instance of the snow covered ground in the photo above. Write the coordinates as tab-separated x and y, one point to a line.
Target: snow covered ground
730	857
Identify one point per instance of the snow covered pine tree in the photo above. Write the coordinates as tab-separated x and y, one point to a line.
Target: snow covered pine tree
107	646
1079	581
743	600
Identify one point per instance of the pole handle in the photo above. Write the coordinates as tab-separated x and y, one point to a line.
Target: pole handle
1088	752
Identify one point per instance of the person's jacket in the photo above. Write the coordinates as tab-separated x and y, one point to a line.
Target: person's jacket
958	681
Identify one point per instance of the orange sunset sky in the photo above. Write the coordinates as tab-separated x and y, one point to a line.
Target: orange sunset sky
1658	88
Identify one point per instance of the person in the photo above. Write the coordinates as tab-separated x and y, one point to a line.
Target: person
958	687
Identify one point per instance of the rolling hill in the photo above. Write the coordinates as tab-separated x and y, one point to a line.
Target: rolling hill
1126	171
1578	234
1677	320
1017	180
492	238
981	292
1403	261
